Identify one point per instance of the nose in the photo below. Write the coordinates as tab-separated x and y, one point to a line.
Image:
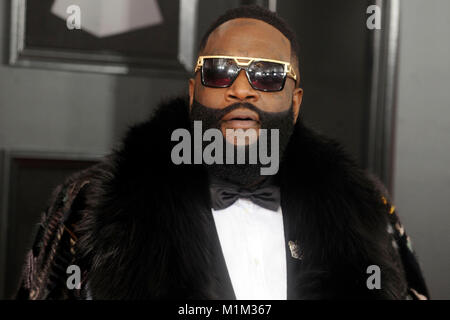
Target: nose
241	90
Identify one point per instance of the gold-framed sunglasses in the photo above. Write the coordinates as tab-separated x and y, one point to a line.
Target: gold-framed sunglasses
263	74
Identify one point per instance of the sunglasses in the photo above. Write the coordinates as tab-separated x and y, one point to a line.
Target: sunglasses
263	74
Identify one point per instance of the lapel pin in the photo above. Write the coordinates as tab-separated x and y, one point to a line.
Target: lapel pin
295	250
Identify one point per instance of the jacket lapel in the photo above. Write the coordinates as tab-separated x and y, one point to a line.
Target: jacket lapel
223	285
293	261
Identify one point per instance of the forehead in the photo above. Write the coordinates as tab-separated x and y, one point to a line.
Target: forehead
249	38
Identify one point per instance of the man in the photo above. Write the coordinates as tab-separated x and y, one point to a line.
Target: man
144	224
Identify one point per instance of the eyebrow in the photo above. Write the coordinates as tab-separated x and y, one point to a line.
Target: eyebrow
243	54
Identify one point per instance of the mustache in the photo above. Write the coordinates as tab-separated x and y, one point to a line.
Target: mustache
214	117
220	113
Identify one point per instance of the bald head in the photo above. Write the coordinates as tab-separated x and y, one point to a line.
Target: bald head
250	37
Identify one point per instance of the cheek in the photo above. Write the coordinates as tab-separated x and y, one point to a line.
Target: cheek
211	97
199	92
278	101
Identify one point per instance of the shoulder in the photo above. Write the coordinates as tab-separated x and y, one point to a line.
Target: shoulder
55	239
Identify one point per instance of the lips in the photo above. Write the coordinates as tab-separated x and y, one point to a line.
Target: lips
241	119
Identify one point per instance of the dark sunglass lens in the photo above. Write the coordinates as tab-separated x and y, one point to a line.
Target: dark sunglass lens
267	76
219	72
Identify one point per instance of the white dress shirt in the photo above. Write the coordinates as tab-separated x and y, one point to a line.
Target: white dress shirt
253	245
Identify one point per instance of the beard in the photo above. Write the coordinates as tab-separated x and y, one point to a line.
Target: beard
248	175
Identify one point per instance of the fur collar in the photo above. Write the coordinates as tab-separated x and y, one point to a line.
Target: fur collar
149	232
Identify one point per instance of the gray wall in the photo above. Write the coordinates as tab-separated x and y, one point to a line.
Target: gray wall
422	153
68	111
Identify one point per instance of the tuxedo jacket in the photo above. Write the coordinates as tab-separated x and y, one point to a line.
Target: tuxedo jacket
140	227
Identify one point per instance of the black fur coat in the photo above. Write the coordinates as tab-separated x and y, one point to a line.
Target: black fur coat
141	227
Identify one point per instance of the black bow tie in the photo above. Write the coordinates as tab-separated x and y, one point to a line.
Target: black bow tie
224	194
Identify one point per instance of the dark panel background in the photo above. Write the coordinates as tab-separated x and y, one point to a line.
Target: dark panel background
335	70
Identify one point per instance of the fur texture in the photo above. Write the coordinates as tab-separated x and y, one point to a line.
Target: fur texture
148	232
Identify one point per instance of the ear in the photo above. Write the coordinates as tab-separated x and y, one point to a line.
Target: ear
297	97
191	92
